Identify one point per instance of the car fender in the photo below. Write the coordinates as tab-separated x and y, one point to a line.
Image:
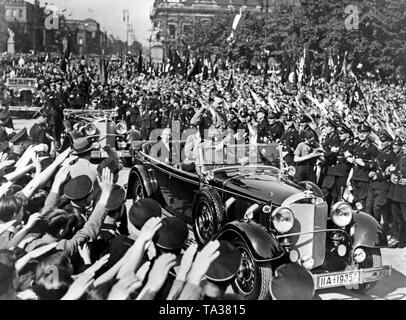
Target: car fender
263	245
141	173
367	232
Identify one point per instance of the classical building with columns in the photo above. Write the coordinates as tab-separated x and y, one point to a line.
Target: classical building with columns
175	17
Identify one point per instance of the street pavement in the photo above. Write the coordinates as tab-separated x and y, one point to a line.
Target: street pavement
390	288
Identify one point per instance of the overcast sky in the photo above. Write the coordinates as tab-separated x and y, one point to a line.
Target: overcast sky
109	13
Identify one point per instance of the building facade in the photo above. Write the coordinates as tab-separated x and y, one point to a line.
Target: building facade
86	36
175	17
3	29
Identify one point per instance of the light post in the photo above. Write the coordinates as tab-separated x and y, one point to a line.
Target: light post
126	18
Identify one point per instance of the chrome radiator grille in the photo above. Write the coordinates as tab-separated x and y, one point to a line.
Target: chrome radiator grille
309	219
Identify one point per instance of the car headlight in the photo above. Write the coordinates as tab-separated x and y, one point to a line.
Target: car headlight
341	214
90	130
282	219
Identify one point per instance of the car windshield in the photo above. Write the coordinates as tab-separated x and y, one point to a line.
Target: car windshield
22	82
215	156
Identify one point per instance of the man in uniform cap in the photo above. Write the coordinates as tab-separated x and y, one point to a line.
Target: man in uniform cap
335	181
397	191
222	271
364	153
209	116
263	129
377	199
172	236
330	146
112	224
78	191
140	212
290	140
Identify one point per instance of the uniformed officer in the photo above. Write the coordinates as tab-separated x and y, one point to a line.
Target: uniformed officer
262	126
330	146
276	127
364	154
335	181
397	193
377	199
290	140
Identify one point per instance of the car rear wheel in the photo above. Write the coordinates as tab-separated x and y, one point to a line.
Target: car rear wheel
373	260
208	215
252	279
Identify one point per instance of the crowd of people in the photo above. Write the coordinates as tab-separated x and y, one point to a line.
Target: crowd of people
65	232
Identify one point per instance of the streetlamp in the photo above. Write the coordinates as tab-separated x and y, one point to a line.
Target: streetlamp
126	18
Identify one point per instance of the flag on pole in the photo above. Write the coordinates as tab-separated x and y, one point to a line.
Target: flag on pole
230	82
197	69
139	67
325	73
344	65
236	21
301	66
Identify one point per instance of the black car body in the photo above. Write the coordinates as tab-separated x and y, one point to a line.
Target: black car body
245	203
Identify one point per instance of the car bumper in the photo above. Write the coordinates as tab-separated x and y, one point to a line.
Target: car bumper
103	154
351	277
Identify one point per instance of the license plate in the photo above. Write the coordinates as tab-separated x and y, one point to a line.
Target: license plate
337	280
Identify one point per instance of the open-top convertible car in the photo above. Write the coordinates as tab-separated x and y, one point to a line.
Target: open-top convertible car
276	223
101	128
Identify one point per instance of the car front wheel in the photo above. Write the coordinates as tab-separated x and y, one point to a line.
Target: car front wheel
208	215
252	279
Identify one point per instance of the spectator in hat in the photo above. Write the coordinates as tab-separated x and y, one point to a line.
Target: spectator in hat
170	239
140	212
222	271
79	193
211	272
64	229
110	228
82	148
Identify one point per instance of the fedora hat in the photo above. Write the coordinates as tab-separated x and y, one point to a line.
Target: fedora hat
81	145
